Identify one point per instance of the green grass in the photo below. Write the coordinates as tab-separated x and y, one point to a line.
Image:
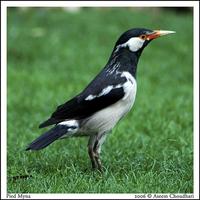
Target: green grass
53	55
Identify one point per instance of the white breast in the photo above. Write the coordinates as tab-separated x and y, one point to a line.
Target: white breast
106	119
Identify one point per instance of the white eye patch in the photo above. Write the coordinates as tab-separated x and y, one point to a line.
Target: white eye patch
134	44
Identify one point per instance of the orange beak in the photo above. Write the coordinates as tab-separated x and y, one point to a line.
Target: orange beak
158	33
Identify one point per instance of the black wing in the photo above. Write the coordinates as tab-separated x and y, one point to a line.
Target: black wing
80	108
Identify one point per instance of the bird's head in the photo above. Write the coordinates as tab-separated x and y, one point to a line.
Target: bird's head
135	40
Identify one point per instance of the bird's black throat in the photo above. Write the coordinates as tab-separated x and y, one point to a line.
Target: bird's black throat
125	60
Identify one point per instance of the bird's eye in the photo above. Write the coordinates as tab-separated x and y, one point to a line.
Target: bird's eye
143	37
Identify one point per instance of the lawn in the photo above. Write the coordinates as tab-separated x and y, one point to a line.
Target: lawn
53	55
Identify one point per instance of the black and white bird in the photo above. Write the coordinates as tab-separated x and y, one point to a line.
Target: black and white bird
107	99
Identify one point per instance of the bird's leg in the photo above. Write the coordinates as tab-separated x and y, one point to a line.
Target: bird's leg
91	152
97	149
98	161
92	156
94	149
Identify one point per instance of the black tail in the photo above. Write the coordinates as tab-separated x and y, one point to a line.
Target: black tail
48	137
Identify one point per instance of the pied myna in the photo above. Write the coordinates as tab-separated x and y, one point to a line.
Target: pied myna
107	99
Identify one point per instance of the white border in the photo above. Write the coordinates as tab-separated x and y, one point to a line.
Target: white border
196	97
4	6
3	101
99	3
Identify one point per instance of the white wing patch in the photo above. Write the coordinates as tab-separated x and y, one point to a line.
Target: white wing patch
103	92
106	90
90	97
126	85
